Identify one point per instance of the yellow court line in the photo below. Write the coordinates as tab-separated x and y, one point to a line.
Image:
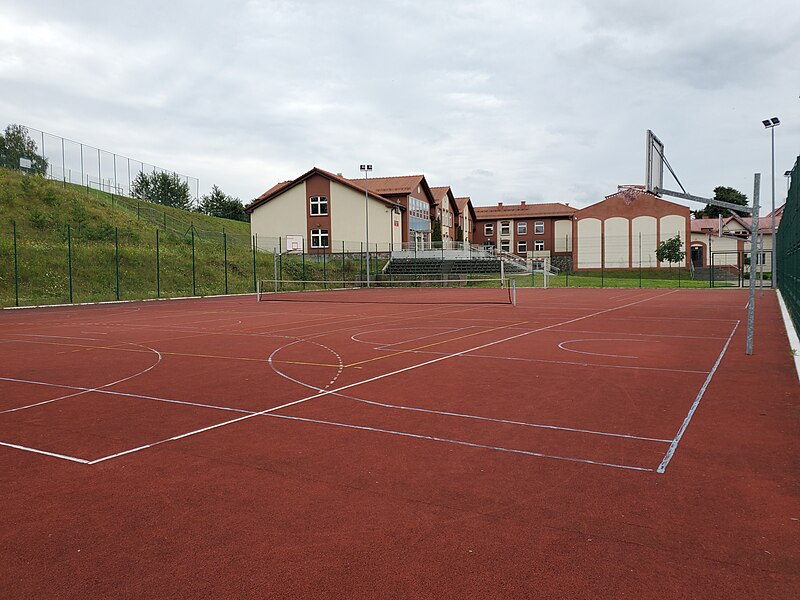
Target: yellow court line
245	358
461	337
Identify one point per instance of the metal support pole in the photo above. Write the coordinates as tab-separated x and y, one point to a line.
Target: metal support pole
751	305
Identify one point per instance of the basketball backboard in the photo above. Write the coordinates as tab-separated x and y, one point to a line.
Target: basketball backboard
654	167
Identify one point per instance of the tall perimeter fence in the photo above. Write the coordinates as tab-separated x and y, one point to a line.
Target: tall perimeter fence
788	247
75	162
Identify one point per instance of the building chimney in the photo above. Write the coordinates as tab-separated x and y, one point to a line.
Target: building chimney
340	175
522	203
499	205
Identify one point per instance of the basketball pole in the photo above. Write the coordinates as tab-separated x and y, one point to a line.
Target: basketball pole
751	304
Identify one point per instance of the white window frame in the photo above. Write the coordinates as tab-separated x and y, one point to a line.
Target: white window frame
488	229
317	236
505	227
538	245
538	227
505	245
522	246
522	228
319	203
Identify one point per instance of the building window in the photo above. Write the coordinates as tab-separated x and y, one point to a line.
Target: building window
319	205
522	228
505	246
522	247
488	245
538	227
319	238
505	228
488	229
538	245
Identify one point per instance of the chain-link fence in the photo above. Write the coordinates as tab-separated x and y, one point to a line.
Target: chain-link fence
75	162
42	264
788	247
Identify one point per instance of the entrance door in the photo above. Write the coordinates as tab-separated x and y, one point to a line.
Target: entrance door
697	256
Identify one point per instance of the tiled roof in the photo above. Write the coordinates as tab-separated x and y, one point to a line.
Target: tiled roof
405	184
510	211
712	225
279	188
464	202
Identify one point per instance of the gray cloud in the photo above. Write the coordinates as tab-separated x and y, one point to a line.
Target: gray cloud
502	100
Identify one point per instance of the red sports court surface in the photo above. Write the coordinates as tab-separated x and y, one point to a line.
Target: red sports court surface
583	444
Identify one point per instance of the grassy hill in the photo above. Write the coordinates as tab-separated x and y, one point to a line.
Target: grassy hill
110	242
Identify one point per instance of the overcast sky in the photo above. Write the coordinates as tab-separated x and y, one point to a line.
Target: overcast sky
543	101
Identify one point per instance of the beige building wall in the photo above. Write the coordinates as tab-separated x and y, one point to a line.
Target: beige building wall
281	216
563	235
617	244
347	219
646	228
589	244
671	225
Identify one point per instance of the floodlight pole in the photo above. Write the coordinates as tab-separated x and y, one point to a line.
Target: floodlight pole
773	254
366	169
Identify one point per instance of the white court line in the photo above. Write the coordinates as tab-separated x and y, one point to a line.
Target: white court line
125	394
46	453
369	380
664	335
462	443
454	414
674	445
561	345
96	389
565	362
382	346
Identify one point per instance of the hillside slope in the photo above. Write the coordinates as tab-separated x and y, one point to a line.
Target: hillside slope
87	246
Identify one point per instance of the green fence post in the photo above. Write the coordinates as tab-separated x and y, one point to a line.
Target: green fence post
361	262
225	257
324	270
116	254
69	259
255	281
158	267
303	254
343	269
640	259
16	266
194	274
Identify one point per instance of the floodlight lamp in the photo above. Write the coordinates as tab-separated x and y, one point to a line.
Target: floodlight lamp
775	121
366	167
766	123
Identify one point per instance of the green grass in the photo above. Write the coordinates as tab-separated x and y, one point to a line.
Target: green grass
648	278
51	216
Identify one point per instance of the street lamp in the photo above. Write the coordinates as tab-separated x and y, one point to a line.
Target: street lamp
771	124
366	169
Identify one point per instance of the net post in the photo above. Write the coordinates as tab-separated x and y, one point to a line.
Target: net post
258	291
513	292
546	265
502	273
275	267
